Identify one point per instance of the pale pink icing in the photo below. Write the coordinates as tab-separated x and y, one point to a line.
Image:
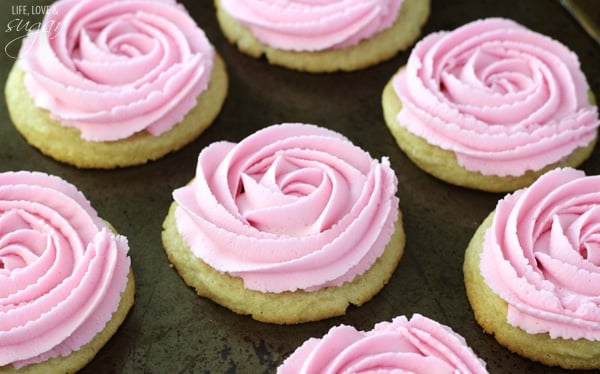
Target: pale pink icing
418	345
115	68
542	255
293	206
62	270
503	98
311	25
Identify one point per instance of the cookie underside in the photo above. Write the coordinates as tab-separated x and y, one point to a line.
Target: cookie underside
443	164
65	144
490	311
280	308
381	47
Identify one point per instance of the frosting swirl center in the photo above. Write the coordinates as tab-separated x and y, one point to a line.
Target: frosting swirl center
112	69
502	98
295	194
542	255
293	206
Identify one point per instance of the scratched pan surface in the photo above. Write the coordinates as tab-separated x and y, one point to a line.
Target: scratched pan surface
172	330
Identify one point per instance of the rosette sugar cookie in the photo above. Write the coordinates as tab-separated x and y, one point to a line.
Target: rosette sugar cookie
322	36
290	225
105	84
66	281
491	105
418	345
532	271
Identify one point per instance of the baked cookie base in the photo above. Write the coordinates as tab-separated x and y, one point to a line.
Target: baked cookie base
64	144
490	312
80	358
279	308
443	165
379	48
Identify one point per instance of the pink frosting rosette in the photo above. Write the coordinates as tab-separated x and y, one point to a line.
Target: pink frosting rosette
418	345
62	270
503	98
115	68
313	25
293	206
542	255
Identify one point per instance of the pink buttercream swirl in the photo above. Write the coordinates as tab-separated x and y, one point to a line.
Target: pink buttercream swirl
542	255
62	270
293	206
115	68
503	98
418	345
311	25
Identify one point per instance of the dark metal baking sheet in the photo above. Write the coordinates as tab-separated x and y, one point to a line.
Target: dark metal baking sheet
587	13
170	329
